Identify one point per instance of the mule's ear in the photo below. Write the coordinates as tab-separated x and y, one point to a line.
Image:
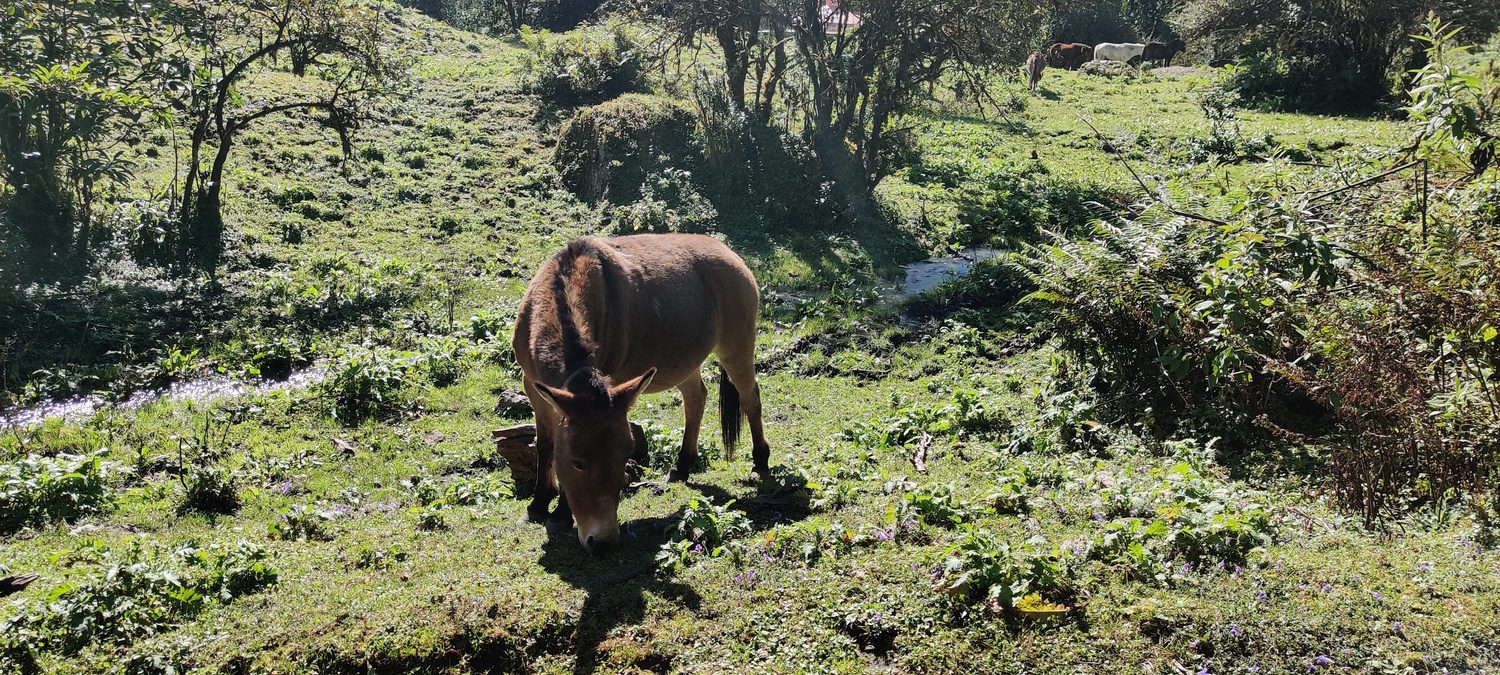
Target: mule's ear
624	394
557	398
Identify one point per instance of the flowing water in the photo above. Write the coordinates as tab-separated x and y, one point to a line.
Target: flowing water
202	390
921	276
925	275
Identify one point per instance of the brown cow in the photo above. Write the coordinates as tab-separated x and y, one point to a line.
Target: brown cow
1161	53
1035	64
1070	55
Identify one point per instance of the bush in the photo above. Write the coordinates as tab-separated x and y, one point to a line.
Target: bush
308	523
997	203
37	489
1234	328
365	383
705	530
1272	80
669	203
133	594
210	489
610	151
983	570
583	66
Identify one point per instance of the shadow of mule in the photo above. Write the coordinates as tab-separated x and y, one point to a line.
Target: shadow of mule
616	584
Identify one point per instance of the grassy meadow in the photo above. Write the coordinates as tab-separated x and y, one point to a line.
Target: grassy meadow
919	451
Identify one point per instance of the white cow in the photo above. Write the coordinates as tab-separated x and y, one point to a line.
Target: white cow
1124	52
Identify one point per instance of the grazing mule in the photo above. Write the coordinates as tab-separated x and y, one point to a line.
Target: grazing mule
1124	52
1161	53
606	320
1070	55
1035	64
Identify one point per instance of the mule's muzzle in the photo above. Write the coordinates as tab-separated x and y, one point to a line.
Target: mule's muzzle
596	545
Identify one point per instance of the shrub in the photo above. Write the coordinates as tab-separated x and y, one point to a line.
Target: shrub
37	489
1235	326
933	505
586	65
365	382
997	203
980	569
669	203
705	530
444	360
308	523
134	593
610	151
1270	79
210	489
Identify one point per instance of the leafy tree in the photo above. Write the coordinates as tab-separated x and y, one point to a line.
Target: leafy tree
336	44
864	73
71	72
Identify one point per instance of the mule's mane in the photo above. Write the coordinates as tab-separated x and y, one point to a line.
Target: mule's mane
576	266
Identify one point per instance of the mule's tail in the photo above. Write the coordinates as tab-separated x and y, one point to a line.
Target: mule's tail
730	414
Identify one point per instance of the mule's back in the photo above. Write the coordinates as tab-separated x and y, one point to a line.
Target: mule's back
640	301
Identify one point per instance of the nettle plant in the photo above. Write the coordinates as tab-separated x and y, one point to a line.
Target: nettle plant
37	489
131	593
984	570
705	530
1177	516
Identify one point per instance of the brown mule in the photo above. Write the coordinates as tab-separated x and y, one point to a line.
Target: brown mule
606	320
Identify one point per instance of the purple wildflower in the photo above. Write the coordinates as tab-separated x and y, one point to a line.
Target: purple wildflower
1376	594
1327	587
697	548
875	618
1396	627
1235	631
1424	567
1260	596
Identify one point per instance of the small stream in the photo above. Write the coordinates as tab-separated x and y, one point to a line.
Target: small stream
202	390
925	275
921	276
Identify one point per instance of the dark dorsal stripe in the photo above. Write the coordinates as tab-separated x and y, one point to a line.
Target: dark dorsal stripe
576	347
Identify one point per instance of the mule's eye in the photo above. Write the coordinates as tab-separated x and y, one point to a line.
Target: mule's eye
578	465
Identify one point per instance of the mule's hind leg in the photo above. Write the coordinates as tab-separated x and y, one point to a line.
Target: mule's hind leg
740	367
694	400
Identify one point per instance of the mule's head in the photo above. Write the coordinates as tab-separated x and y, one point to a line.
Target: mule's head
590	447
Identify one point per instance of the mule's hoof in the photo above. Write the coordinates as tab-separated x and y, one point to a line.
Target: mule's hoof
534	516
677	476
760	472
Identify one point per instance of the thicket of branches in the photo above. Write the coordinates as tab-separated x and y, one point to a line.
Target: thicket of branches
1358	315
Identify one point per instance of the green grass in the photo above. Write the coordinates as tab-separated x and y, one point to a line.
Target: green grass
838	573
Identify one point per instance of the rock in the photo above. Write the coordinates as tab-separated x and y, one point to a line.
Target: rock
348	448
512	401
434	437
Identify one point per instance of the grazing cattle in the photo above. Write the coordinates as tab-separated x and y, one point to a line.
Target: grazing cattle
606	320
1035	64
1124	52
1070	55
1161	53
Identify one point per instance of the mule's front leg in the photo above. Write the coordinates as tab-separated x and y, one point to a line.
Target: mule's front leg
546	484
694	400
